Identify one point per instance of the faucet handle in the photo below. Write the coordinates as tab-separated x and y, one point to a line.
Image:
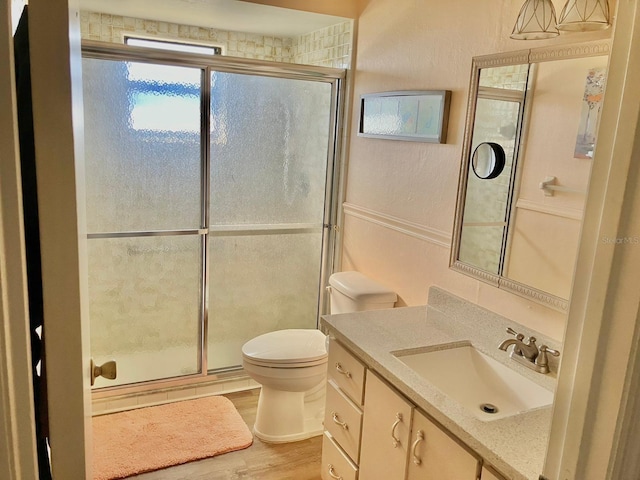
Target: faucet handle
519	336
550	351
542	360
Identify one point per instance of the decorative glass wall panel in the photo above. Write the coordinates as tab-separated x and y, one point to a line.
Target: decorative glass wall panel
144	306
269	150
142	146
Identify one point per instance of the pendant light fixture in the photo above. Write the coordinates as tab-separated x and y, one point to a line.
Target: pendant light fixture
536	21
584	15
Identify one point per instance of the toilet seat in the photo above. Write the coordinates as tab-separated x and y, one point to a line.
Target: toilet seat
291	348
259	363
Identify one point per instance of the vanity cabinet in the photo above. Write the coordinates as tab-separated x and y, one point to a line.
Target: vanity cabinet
398	441
372	432
343	414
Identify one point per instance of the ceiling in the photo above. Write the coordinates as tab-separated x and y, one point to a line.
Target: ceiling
230	15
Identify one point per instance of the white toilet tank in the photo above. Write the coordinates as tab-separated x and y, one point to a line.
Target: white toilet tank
354	292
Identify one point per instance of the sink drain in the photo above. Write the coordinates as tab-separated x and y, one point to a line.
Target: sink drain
488	408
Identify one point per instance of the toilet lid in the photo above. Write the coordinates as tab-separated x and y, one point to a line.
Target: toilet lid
286	347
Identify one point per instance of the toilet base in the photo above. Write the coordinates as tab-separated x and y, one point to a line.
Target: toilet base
289	416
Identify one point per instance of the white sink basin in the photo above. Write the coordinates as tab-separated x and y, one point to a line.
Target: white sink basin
484	386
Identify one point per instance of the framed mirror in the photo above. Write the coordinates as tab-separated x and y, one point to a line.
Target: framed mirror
530	134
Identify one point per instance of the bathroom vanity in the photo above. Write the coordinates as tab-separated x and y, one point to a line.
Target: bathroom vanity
387	417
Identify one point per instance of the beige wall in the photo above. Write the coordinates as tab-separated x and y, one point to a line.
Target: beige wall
404	193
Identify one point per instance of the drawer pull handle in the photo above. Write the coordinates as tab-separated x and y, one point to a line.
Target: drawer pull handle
332	473
336	420
341	370
419	437
396	440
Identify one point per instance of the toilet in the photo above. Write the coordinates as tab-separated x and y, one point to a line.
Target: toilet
291	365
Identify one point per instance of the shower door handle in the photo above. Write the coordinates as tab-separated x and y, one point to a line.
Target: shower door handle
106	370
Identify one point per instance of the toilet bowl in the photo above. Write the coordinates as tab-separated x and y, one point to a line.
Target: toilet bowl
291	365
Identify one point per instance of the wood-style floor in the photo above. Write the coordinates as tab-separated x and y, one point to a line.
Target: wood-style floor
261	461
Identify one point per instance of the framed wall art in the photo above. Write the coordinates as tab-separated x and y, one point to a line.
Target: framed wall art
590	116
415	116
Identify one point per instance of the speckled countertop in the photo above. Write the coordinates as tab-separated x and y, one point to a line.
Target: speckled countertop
515	445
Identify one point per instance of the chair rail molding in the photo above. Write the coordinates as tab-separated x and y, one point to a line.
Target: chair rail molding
421	232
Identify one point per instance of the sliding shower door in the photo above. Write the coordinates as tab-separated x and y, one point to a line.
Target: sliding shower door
269	148
208	204
144	211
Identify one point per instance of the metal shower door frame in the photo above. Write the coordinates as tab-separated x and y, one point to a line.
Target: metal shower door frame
208	64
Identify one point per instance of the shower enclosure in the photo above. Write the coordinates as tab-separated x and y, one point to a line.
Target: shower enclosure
209	206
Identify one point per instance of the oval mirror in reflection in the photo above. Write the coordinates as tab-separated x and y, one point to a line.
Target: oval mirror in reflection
487	160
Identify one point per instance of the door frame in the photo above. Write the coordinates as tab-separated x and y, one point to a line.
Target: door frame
56	83
591	434
622	45
17	428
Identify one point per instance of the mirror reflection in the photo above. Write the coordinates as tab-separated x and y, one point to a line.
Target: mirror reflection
510	231
499	107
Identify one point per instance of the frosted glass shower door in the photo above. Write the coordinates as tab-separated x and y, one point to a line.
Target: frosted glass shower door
269	155
144	216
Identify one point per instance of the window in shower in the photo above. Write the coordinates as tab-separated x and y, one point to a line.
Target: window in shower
208	197
173	46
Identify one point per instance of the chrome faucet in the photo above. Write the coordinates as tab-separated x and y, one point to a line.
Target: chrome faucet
527	352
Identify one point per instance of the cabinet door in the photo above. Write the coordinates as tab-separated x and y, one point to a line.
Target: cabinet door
489	475
434	455
385	432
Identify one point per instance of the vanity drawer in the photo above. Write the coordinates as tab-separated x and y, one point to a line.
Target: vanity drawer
335	464
346	371
343	420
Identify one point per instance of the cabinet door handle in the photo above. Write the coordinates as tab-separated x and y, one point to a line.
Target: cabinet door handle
336	420
419	437
333	474
396	440
341	370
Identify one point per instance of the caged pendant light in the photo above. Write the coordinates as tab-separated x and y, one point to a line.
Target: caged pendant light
584	15
536	20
